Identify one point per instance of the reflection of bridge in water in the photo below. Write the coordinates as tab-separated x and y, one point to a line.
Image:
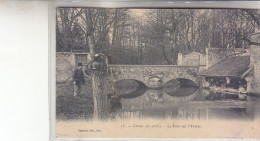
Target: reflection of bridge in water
156	99
144	73
199	105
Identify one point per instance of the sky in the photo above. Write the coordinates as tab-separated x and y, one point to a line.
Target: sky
138	12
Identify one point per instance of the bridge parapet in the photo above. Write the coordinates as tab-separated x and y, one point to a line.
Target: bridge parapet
144	73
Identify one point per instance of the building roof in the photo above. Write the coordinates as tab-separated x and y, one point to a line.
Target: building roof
232	66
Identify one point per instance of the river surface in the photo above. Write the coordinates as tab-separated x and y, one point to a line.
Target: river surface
185	102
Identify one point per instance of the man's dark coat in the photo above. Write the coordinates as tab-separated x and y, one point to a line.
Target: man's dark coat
78	77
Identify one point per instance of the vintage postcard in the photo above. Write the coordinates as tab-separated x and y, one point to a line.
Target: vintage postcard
157	73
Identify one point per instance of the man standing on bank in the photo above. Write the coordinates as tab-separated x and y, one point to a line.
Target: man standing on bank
78	79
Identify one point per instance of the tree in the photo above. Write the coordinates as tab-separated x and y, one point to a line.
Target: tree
66	27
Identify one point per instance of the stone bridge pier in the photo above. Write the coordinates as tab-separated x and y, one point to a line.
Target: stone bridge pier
147	73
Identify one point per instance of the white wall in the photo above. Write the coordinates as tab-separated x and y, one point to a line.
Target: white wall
24	71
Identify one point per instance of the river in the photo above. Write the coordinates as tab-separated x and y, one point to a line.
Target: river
184	102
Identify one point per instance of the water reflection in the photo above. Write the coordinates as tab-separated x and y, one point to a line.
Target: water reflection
130	88
184	102
180	87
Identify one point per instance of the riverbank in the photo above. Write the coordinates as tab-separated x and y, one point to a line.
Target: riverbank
69	107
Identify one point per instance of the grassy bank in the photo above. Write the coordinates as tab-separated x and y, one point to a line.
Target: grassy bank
70	107
79	107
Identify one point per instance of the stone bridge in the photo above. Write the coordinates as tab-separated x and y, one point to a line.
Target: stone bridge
144	73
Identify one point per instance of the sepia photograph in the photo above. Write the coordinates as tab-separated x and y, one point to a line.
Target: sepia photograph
157	73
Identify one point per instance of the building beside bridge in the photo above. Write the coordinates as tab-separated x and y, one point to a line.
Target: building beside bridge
240	66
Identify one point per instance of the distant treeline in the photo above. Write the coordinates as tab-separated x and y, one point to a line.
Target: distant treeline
155	37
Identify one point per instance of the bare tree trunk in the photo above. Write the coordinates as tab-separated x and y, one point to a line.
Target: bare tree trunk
115	50
99	97
91	45
98	77
98	87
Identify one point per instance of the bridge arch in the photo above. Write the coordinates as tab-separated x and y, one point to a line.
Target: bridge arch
190	78
133	88
144	73
122	81
180	87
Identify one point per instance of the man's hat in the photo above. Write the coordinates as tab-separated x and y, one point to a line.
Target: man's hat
79	64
